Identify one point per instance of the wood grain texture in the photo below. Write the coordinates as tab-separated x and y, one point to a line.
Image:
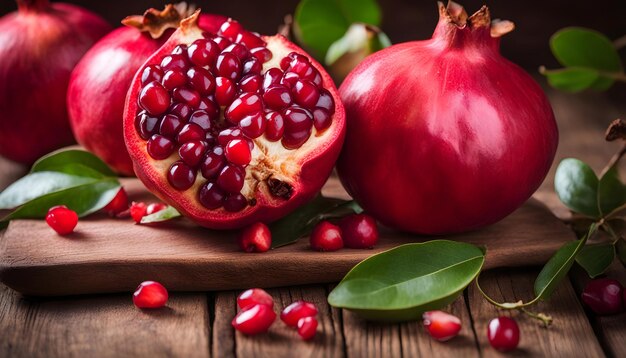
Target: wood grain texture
570	335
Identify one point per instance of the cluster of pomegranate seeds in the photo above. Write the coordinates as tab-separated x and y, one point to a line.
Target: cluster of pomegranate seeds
150	294
207	103
61	219
139	209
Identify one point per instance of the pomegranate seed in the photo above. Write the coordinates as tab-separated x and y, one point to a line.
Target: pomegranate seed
155	208
238	50
326	237
213	163
61	219
441	326
146	125
154	98
261	53
151	73
225	91
211	197
307	328
289	79
138	211
191	152
250	83
238	152
118	204
231	178
170	126
174	78
186	95
272	77
249	39
228	65
235	203
230	29
298	124
201	80
190	132
252	66
227	135
305	93
208	105
359	231
326	101
181	110
202	119
160	147
296	58
304	70
275	126
181	176
203	52
503	334
254	320
285	63
255	238
321	119
179	49
245	104
221	42
297	310
254	296
253	125
150	294
277	97
604	296
173	61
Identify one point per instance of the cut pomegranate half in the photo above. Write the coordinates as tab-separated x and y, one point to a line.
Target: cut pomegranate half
249	131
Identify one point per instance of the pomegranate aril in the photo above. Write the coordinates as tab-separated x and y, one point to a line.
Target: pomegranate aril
295	140
155	208
255	238
503	334
118	204
326	101
150	294
181	176
305	93
154	98
225	91
186	95
146	125
151	73
274	127
307	328
238	152
213	163
253	125
254	296
295	58
222	43
174	78
297	310
230	29
227	135
272	77
179	49
181	110
174	61
277	97
297	120
252	65
160	147
192	152
235	203
231	178
321	119
359	231
326	237
603	296
250	83
238	50
61	219
203	52
289	79
202	119
249	39
201	80
170	126
190	132
211	197
303	69
254	320
245	104
212	109
228	65
138	211
285	63
441	326
261	53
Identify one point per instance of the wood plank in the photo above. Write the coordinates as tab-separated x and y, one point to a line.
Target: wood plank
281	340
369	339
570	335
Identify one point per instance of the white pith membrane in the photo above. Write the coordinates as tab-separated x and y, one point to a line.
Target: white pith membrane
271	162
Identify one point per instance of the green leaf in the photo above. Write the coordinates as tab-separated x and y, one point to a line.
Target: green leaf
558	266
166	214
596	259
571	79
611	191
620	247
402	283
319	23
360	40
577	186
300	223
580	47
67	161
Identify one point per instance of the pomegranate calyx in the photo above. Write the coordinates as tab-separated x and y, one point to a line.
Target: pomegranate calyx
156	22
456	15
616	130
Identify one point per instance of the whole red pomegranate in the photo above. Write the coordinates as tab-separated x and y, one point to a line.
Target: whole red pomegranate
232	129
445	135
100	81
39	46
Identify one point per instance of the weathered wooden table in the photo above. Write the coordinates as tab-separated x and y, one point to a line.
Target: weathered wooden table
198	324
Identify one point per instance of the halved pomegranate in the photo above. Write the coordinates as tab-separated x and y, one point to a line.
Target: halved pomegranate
232	129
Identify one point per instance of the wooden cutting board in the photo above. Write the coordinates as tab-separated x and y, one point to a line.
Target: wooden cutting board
115	255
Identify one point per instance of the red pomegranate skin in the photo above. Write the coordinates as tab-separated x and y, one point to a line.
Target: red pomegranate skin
39	45
99	84
444	135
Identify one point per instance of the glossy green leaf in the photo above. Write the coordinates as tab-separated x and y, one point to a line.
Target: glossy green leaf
166	214
620	247
596	259
572	79
580	47
68	161
319	23
577	186
611	191
402	283
300	223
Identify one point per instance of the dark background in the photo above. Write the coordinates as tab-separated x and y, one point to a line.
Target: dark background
405	20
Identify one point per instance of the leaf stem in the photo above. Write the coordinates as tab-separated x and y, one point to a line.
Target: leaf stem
614	160
544	318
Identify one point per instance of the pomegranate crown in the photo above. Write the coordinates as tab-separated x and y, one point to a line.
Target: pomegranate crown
156	22
455	14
